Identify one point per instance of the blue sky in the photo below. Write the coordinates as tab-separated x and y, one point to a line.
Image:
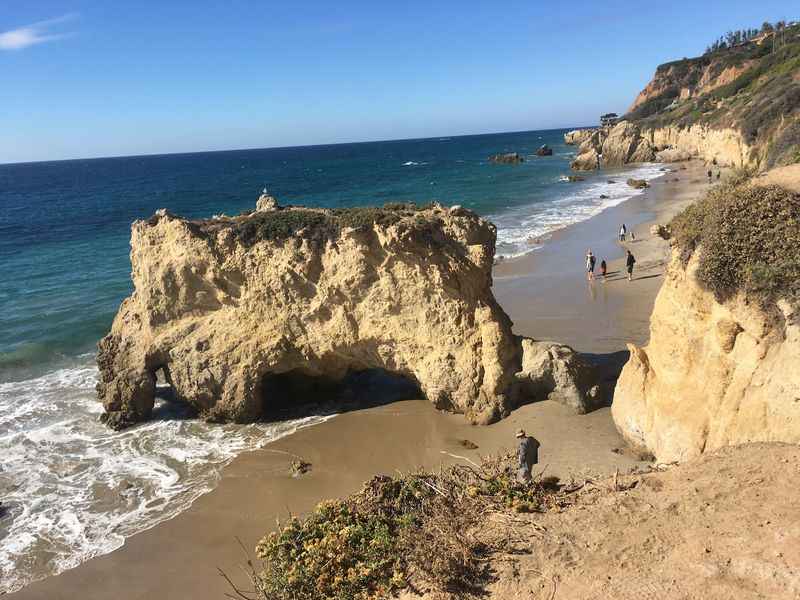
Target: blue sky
82	79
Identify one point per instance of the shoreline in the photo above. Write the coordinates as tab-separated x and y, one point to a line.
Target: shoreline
545	292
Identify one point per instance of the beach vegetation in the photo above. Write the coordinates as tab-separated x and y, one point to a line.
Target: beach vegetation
316	225
748	237
422	529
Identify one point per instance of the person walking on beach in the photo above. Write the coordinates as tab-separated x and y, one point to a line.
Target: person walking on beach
603	268
709	176
622	231
590	262
629	262
527	455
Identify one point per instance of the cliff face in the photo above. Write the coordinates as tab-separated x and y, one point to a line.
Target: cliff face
713	374
633	142
690	78
737	107
238	312
608	147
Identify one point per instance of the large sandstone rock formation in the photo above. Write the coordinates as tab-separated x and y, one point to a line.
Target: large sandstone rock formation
612	147
713	374
629	142
233	311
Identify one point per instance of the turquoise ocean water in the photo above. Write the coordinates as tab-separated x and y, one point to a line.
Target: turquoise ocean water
72	489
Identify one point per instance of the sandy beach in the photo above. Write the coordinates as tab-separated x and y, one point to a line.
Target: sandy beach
547	296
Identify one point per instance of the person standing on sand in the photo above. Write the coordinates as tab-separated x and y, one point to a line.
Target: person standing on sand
527	456
709	176
622	231
629	262
590	261
603	268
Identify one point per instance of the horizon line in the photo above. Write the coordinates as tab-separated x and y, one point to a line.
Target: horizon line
291	146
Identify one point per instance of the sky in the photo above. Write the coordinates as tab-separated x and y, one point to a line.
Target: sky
85	79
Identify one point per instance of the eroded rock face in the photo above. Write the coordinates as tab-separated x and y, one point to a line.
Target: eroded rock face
577	136
613	147
712	375
556	372
224	306
628	142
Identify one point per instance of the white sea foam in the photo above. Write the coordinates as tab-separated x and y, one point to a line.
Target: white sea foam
522	229
410	163
72	489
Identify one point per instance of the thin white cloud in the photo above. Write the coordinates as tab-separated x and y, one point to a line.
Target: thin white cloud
37	33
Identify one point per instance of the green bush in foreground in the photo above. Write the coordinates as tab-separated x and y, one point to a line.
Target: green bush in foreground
421	528
750	237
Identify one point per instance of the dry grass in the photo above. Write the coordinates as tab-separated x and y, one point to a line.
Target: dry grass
432	531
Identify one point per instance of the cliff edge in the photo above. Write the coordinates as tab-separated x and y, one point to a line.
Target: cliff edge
736	106
246	315
721	366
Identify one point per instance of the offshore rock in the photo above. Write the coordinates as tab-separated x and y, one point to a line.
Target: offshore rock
638	184
234	311
713	374
509	158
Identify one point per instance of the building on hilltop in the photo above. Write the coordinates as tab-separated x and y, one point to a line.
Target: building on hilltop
609	119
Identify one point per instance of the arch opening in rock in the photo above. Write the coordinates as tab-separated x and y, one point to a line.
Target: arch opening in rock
296	393
168	405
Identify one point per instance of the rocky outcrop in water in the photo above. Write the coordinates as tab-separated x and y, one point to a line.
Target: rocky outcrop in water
638	184
713	374
613	147
238	312
509	158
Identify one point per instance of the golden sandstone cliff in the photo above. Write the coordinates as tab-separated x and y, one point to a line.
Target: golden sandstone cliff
723	363
713	374
735	106
237	313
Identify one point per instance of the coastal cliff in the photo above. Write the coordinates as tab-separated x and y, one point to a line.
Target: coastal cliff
736	106
721	367
246	315
713	374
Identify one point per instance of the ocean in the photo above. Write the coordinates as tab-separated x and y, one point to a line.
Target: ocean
72	489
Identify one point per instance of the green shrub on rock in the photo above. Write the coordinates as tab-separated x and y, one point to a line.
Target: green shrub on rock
750	237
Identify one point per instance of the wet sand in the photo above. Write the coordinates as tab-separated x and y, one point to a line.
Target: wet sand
547	296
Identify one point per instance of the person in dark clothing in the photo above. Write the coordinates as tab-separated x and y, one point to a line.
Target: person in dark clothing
718	174
603	268
709	175
527	455
629	262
